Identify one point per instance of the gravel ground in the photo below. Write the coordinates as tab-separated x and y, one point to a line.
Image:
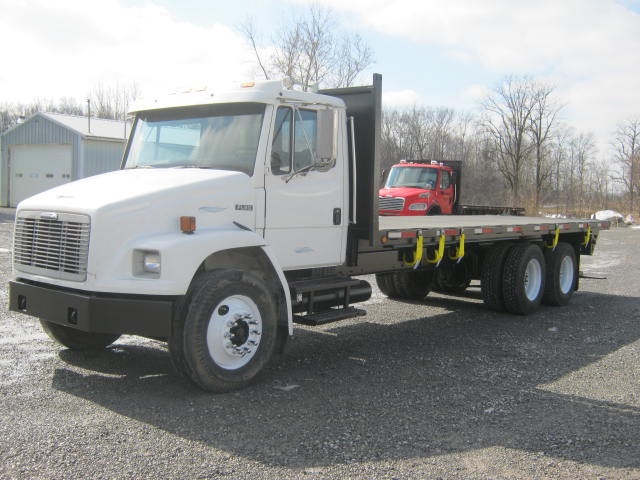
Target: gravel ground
442	389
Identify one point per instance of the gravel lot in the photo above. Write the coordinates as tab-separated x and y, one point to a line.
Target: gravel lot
439	389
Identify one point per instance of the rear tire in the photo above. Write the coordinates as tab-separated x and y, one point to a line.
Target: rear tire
75	339
562	272
386	285
523	279
229	331
406	284
491	278
451	278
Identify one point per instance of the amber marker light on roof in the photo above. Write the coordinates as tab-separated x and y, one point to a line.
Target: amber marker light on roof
248	84
188	224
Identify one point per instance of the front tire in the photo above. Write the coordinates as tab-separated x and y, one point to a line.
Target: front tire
77	339
229	330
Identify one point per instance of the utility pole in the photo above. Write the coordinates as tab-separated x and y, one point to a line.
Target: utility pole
89	114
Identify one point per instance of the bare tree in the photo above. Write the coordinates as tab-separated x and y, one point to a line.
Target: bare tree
249	30
627	146
311	51
112	101
508	110
353	57
559	145
582	149
541	124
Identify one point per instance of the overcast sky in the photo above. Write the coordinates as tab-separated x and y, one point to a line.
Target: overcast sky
431	52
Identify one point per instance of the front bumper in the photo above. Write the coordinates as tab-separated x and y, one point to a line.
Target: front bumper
91	312
401	213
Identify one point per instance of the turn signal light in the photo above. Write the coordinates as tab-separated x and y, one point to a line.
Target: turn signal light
188	224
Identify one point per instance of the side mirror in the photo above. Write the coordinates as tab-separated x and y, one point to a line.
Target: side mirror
327	136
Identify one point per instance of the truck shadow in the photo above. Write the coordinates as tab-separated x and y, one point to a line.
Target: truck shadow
462	380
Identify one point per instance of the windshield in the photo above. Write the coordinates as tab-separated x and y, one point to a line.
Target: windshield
214	136
416	177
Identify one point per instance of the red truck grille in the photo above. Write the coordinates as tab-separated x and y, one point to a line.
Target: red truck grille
391	203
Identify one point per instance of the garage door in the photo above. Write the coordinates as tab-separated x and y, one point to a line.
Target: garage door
36	168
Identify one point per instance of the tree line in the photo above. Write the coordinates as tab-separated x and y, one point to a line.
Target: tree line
108	101
516	151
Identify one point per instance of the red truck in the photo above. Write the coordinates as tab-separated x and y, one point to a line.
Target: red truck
422	187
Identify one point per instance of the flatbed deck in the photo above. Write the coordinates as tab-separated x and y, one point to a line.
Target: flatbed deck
478	228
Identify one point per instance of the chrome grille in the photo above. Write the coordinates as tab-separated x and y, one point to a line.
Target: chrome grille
391	203
52	244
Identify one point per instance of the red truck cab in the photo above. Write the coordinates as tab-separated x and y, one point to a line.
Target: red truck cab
418	188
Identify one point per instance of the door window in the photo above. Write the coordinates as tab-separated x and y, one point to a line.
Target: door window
306	132
281	147
300	133
444	180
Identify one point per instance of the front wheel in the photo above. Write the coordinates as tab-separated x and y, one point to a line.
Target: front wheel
229	330
77	339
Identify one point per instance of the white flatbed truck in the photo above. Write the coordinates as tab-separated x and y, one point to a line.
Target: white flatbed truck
239	213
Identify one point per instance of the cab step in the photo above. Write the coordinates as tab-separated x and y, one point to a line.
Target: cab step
328	316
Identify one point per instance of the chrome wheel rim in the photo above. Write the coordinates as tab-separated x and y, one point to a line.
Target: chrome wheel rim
234	331
533	279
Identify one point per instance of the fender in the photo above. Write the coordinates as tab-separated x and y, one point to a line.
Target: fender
283	282
182	255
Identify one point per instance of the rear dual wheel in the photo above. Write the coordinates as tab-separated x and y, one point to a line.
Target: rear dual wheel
406	284
451	278
491	277
513	277
562	275
523	279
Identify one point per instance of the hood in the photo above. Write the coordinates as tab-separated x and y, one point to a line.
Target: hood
140	186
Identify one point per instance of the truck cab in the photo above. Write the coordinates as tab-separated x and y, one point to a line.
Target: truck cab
418	188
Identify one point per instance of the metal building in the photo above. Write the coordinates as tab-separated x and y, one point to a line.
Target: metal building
50	149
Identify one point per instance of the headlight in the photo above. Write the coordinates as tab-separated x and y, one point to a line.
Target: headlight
146	263
418	206
425	195
151	262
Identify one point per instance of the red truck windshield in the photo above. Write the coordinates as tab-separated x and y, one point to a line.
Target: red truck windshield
416	177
